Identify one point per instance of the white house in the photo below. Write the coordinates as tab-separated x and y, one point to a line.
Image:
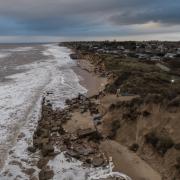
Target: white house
170	55
155	58
142	56
120	47
178	51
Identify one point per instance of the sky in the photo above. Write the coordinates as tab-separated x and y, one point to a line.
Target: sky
67	20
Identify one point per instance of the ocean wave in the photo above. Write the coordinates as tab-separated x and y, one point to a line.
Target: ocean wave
4	55
19	98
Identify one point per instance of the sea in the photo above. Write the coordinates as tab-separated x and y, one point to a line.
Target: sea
27	73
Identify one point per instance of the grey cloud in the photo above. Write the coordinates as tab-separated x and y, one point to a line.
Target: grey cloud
164	15
67	17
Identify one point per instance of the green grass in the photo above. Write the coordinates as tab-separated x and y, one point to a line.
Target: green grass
133	75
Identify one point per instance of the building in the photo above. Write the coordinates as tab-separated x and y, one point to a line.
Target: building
170	55
155	58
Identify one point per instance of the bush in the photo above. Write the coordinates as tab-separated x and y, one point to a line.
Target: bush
160	143
111	88
114	127
134	147
177	147
175	102
151	138
123	77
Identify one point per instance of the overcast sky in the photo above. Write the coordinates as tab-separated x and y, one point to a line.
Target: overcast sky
55	20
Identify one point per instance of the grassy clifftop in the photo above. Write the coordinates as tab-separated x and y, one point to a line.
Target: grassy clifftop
129	73
147	125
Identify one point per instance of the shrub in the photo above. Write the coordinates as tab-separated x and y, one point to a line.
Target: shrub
111	88
134	147
177	147
114	127
160	143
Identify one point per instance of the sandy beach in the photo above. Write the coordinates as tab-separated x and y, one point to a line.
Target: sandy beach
88	79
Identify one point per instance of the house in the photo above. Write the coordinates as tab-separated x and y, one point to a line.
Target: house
161	48
155	58
114	52
142	56
170	55
100	50
178	51
126	51
120	47
95	47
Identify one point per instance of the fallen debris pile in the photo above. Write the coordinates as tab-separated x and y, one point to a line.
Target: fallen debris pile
51	138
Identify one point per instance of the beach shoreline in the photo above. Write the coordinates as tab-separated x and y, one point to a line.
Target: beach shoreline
98	122
86	130
77	120
88	79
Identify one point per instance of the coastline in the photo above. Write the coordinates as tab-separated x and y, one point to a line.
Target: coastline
106	123
70	140
81	139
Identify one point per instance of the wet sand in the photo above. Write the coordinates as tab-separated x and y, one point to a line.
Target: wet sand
88	79
124	160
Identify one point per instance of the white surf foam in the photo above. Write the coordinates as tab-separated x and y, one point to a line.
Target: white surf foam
65	169
3	55
20	109
19	98
65	83
7	52
20	49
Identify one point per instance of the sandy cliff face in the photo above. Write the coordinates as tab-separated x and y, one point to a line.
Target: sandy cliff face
149	130
143	118
147	124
